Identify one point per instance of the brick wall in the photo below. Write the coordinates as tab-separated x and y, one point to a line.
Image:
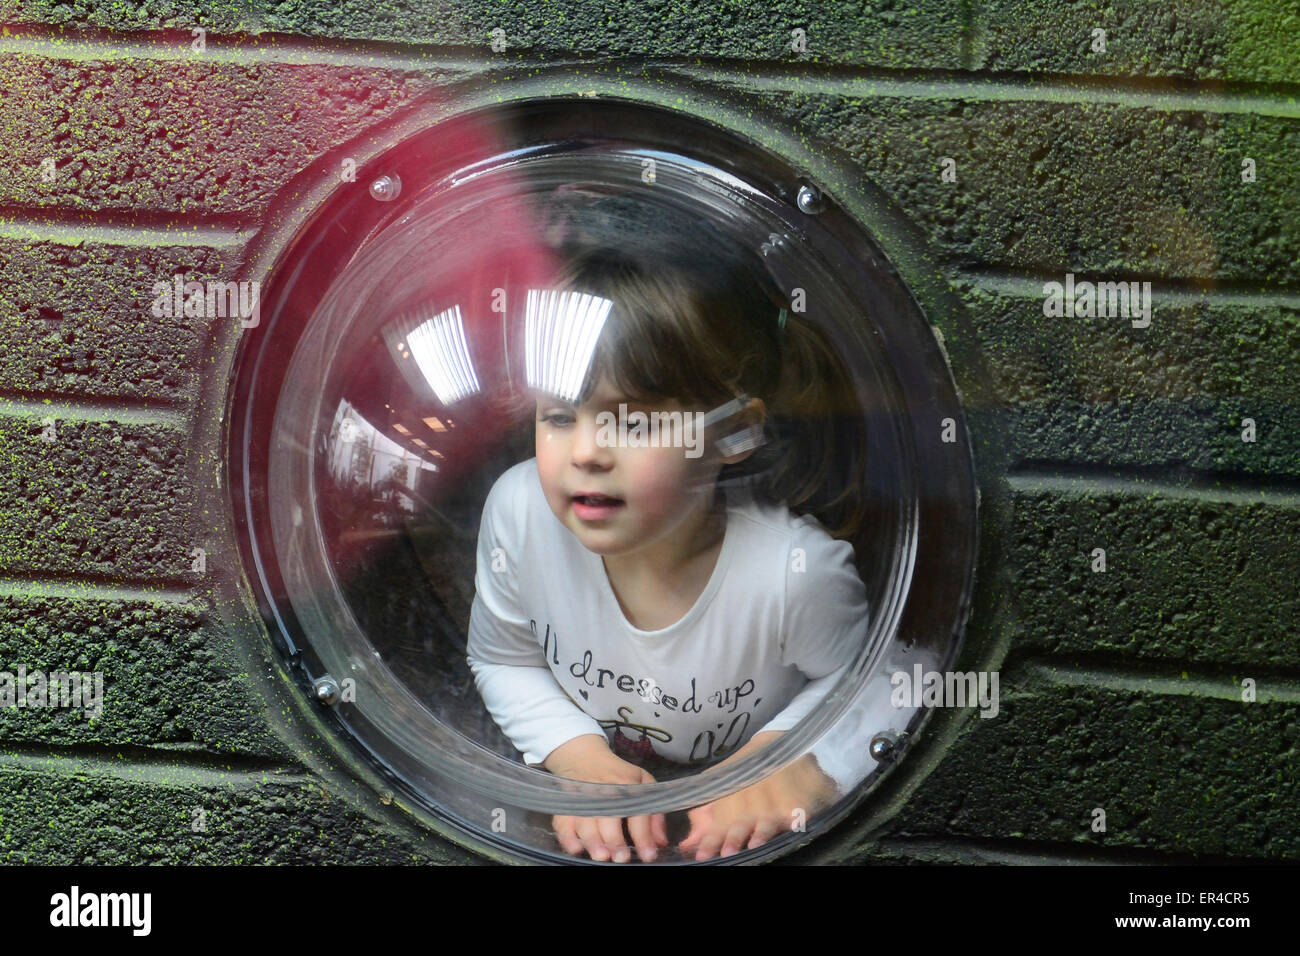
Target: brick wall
1120	689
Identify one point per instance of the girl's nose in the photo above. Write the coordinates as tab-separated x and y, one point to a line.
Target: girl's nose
588	449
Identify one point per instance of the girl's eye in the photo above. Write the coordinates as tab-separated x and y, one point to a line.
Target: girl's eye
557	419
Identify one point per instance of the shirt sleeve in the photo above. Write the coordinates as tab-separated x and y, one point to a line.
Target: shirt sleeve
825	625
504	655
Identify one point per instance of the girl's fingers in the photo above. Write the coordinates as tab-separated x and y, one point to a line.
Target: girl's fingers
592	841
709	845
565	828
765	830
602	838
611	831
738	835
700	820
659	826
639	828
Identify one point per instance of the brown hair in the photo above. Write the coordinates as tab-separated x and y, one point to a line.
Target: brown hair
696	320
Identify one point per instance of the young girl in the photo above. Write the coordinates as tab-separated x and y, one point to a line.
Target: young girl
656	605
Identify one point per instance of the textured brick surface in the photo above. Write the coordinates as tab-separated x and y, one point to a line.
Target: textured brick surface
1187	580
102	499
1098	391
170	677
76	319
81	812
1192	773
1194	433
1198	346
874	33
179	135
1052	187
1245	40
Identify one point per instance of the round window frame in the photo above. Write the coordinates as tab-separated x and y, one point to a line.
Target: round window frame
855	253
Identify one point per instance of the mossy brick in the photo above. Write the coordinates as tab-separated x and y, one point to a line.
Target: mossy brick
69	811
878	33
1051	187
1177	436
1187	578
180	136
225	15
170	679
76	318
1203	774
1251	41
1097	390
1226	347
103	499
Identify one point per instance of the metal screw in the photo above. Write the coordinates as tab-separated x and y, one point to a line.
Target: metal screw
386	188
885	746
809	200
326	689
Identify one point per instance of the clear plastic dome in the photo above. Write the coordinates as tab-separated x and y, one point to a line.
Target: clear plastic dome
495	360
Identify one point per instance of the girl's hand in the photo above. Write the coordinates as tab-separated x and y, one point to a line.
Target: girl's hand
750	817
589	758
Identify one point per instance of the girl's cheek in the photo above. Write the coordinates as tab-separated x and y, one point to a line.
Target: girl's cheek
664	490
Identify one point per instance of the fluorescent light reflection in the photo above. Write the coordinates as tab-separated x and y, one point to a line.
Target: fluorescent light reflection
560	334
441	353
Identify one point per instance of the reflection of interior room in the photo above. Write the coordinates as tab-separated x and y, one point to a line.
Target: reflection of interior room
401	495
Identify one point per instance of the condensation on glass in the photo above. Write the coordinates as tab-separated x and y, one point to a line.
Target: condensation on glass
376	423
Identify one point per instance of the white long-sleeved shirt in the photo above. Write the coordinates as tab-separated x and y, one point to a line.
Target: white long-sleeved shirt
554	657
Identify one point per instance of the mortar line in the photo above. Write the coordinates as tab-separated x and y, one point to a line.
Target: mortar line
1156	93
234	771
69	227
1029	285
67	587
90	410
1270	688
1070	479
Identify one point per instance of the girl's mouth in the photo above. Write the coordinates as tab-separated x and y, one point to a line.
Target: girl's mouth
595	507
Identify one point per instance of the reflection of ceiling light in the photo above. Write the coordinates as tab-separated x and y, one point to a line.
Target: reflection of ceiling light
440	350
420	442
560	334
435	424
438	454
401	429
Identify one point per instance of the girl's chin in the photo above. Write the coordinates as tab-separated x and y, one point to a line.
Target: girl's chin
601	541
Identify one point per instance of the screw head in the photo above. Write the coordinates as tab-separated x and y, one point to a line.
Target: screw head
386	188
326	689
810	200
884	746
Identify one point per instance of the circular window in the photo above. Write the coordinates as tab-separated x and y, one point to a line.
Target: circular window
594	470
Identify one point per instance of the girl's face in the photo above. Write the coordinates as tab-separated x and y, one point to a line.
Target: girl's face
660	491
